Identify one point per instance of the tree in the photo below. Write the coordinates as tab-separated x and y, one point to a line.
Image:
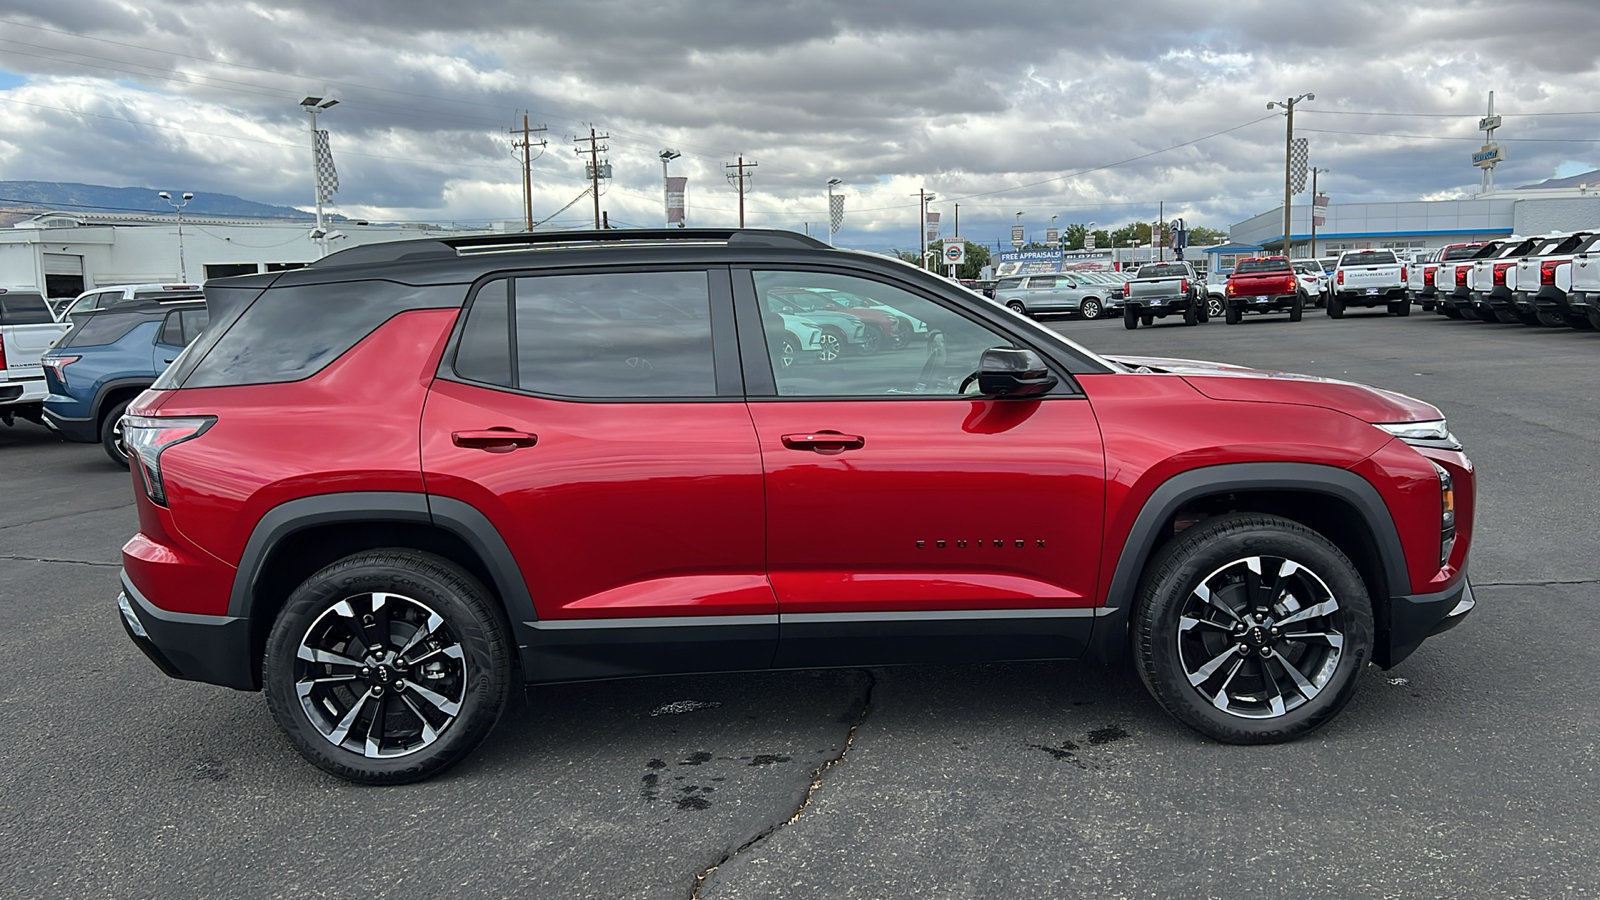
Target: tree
1201	236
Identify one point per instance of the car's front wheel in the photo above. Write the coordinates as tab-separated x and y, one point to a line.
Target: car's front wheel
1252	629
1215	307
1090	309
387	667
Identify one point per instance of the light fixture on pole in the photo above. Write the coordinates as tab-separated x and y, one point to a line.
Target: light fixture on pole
183	268
1288	158
667	155
835	209
321	162
1088	236
1017	235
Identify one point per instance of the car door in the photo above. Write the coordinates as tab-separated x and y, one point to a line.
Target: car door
597	423
908	521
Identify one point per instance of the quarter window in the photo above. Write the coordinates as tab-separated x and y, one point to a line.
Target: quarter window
844	336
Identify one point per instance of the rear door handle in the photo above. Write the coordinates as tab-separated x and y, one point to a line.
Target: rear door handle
824	441
494	440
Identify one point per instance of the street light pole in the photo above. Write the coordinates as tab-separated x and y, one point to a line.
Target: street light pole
667	155
183	268
1314	171
1288	159
832	183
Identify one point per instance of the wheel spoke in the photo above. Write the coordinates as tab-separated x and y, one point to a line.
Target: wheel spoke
1189	623
434	621
326	657
342	730
376	633
1270	681
1333	639
1306	688
453	651
374	747
1220	700
1205	595
1199	676
440	702
428	734
1325	608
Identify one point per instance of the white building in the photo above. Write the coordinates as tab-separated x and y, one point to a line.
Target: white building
68	253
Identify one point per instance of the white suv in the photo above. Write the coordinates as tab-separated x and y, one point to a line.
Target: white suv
102	297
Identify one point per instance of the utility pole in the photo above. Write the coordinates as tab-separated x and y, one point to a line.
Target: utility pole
594	150
956	226
1161	230
923	199
739	177
526	145
1288	159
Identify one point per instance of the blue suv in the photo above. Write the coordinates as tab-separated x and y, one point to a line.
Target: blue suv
106	360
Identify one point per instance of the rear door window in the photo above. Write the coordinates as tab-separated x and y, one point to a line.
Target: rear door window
24	308
1368	258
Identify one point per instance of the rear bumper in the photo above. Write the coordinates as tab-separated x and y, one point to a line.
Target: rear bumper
23	390
1263	303
1553	298
213	649
1359	296
81	430
1414	618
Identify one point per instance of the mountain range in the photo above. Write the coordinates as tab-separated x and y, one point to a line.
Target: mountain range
95	198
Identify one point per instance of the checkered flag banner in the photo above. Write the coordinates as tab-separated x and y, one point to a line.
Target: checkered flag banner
327	175
835	212
1299	160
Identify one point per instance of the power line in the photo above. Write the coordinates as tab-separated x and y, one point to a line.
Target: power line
1442	137
1473	116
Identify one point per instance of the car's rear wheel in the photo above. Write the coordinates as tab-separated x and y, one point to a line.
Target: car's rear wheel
1148	319
1215	306
1548	318
1191	316
1335	308
387	667
1090	309
1298	308
111	434
1130	318
871	340
1578	321
830	345
788	350
1017	307
1232	315
1450	312
1252	629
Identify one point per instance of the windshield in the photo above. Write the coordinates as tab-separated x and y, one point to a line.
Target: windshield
1252	266
1368	258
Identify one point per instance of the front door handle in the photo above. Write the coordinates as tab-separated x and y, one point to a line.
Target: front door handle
494	440
829	442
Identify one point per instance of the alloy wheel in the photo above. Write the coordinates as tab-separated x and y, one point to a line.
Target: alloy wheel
1214	307
1260	637
1090	309
380	674
829	346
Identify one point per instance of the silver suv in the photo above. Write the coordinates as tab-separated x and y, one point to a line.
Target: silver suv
1034	295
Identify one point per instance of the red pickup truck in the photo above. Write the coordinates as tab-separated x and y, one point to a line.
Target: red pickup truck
1262	284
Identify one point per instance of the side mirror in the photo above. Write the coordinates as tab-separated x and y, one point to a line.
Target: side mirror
1009	372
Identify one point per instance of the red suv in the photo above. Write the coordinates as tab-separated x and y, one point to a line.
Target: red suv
385	488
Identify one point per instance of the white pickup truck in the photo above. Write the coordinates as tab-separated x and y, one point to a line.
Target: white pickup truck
27	329
1368	278
1583	276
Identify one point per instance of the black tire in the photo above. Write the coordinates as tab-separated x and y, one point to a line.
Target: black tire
1427	306
1191	316
1174	625
1017	307
1090	308
1578	321
1232	315
1335	308
1298	309
1401	309
1216	306
1130	318
1202	308
1450	312
1485	314
1147	319
414	586
1547	318
872	340
1594	317
111	434
788	350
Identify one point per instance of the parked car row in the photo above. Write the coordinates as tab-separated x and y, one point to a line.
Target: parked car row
1088	295
1552	280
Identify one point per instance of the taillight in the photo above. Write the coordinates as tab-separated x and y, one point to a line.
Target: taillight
1183	285
1500	273
58	365
1291	284
1427	276
147	437
1402	273
1228	288
1547	272
2	354
1339	276
1461	276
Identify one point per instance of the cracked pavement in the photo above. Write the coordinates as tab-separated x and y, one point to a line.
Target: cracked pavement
1468	771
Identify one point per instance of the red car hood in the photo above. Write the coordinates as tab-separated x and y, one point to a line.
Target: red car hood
1222	381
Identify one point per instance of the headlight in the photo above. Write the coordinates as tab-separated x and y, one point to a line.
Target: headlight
1447	513
1422	434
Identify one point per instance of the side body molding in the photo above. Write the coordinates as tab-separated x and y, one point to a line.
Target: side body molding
1111	629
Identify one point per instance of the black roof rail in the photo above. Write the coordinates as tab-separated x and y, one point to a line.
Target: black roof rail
434	248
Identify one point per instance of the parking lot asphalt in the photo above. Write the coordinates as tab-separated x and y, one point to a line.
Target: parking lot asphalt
1470	770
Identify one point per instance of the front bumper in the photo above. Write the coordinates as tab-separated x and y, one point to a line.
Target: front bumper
1414	618
213	649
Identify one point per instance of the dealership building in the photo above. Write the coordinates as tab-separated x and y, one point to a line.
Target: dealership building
68	253
1561	205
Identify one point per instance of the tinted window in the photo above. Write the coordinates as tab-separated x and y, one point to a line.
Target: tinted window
1006	284
169	295
1368	258
290	333
484	353
18	308
1251	266
1163	272
621	335
1462	252
171	330
100	329
194	323
921	347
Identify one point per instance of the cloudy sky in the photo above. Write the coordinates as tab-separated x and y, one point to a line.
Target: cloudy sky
1085	111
